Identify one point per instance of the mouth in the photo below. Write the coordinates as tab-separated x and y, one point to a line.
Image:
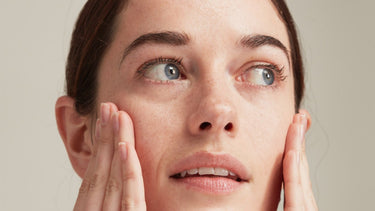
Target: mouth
208	172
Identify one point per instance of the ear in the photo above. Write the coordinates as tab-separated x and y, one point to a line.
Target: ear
307	114
74	130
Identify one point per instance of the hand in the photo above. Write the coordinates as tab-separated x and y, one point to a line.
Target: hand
297	185
113	180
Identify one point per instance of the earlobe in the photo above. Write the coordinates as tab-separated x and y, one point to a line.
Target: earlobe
75	133
308	116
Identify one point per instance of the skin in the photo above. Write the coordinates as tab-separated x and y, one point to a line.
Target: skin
158	123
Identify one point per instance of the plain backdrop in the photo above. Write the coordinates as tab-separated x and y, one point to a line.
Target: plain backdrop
338	46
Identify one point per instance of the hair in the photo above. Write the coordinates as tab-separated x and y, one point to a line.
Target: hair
94	32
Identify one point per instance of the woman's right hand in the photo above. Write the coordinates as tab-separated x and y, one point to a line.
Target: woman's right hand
113	180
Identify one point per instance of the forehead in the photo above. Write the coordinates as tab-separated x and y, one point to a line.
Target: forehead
219	20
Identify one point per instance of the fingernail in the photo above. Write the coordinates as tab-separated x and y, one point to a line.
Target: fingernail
104	113
116	122
123	152
97	128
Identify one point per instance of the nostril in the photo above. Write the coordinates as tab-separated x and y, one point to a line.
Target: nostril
228	127
205	125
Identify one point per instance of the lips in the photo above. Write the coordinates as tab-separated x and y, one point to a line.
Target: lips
210	172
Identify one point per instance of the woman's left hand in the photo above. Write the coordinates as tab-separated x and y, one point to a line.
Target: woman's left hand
298	194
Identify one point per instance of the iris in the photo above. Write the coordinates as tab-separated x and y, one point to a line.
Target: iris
171	72
268	77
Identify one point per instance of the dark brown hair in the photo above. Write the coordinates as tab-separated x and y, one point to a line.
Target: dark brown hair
93	33
295	51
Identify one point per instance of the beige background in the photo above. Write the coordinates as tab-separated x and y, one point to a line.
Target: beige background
338	45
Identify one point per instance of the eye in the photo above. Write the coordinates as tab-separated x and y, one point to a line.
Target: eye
162	70
263	75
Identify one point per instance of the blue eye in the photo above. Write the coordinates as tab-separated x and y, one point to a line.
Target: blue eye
259	75
162	70
171	71
268	77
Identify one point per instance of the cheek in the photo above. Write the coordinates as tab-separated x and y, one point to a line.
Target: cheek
265	129
266	123
158	127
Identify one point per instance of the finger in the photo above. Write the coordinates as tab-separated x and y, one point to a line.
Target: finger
310	202
83	190
112	200
296	133
132	181
294	198
103	153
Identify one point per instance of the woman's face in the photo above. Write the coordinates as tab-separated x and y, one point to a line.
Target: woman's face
209	87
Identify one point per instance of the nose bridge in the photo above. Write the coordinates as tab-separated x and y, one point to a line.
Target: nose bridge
215	110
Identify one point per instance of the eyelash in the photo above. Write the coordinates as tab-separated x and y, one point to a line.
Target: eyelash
279	72
161	60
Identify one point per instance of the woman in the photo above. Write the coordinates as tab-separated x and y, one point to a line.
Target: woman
186	105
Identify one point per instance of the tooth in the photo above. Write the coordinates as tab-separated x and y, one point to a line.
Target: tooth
221	172
232	174
192	171
205	171
183	174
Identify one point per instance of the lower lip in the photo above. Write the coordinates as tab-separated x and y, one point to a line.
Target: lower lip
214	185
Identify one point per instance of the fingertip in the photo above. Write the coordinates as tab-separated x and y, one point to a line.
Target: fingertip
125	116
116	124
126	131
301	122
125	120
97	128
104	113
112	106
292	138
307	116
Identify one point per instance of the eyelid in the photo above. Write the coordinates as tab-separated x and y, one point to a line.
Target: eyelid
160	60
278	72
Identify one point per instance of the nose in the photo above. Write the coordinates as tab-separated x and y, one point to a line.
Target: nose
214	114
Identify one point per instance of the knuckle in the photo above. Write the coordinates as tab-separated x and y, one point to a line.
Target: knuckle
95	152
127	204
131	204
84	187
106	139
129	176
113	186
106	136
96	181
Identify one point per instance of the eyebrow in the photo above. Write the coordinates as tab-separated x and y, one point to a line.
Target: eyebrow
258	40
178	39
167	37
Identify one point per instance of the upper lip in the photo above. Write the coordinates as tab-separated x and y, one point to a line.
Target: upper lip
207	159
